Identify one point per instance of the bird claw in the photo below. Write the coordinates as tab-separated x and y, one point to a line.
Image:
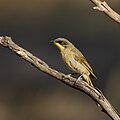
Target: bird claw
80	77
69	75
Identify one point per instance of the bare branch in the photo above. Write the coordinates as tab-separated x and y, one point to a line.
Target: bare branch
104	7
80	85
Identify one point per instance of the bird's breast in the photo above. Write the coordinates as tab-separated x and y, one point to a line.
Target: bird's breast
70	61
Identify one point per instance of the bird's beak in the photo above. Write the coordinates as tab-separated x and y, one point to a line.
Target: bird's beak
57	44
52	41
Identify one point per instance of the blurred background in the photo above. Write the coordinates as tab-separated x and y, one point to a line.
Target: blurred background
28	94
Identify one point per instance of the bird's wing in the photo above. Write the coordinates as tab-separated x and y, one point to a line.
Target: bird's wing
78	56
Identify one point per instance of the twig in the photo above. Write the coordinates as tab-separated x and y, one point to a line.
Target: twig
97	96
104	7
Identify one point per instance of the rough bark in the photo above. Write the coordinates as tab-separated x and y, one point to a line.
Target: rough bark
104	7
80	85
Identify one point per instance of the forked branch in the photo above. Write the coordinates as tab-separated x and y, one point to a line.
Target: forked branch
104	7
96	95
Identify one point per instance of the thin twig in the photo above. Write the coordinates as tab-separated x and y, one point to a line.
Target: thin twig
104	7
97	96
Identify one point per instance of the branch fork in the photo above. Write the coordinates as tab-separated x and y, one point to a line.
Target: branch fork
104	7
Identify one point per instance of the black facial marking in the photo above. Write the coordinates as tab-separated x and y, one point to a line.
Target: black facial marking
62	42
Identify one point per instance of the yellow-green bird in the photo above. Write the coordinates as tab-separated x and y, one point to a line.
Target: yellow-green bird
74	59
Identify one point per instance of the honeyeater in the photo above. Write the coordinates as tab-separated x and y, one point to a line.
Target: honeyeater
74	59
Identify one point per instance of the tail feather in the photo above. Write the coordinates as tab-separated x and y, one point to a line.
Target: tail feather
93	75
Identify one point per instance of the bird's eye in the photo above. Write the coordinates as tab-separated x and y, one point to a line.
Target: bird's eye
62	43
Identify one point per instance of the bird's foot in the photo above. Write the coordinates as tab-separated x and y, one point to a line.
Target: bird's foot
69	75
78	79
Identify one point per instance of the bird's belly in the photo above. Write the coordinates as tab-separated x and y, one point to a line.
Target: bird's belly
76	66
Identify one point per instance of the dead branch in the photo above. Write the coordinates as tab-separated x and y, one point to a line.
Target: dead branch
96	95
104	7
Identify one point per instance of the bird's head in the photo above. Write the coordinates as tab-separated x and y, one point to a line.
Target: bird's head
62	43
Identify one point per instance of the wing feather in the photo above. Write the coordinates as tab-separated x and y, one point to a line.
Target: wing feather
78	56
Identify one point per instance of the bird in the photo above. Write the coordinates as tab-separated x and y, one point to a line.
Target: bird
74	59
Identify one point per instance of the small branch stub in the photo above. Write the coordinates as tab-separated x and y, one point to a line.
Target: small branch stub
104	7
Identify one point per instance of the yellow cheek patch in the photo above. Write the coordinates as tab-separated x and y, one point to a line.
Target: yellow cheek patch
59	46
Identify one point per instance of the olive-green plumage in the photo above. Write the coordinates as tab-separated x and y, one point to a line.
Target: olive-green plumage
74	59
